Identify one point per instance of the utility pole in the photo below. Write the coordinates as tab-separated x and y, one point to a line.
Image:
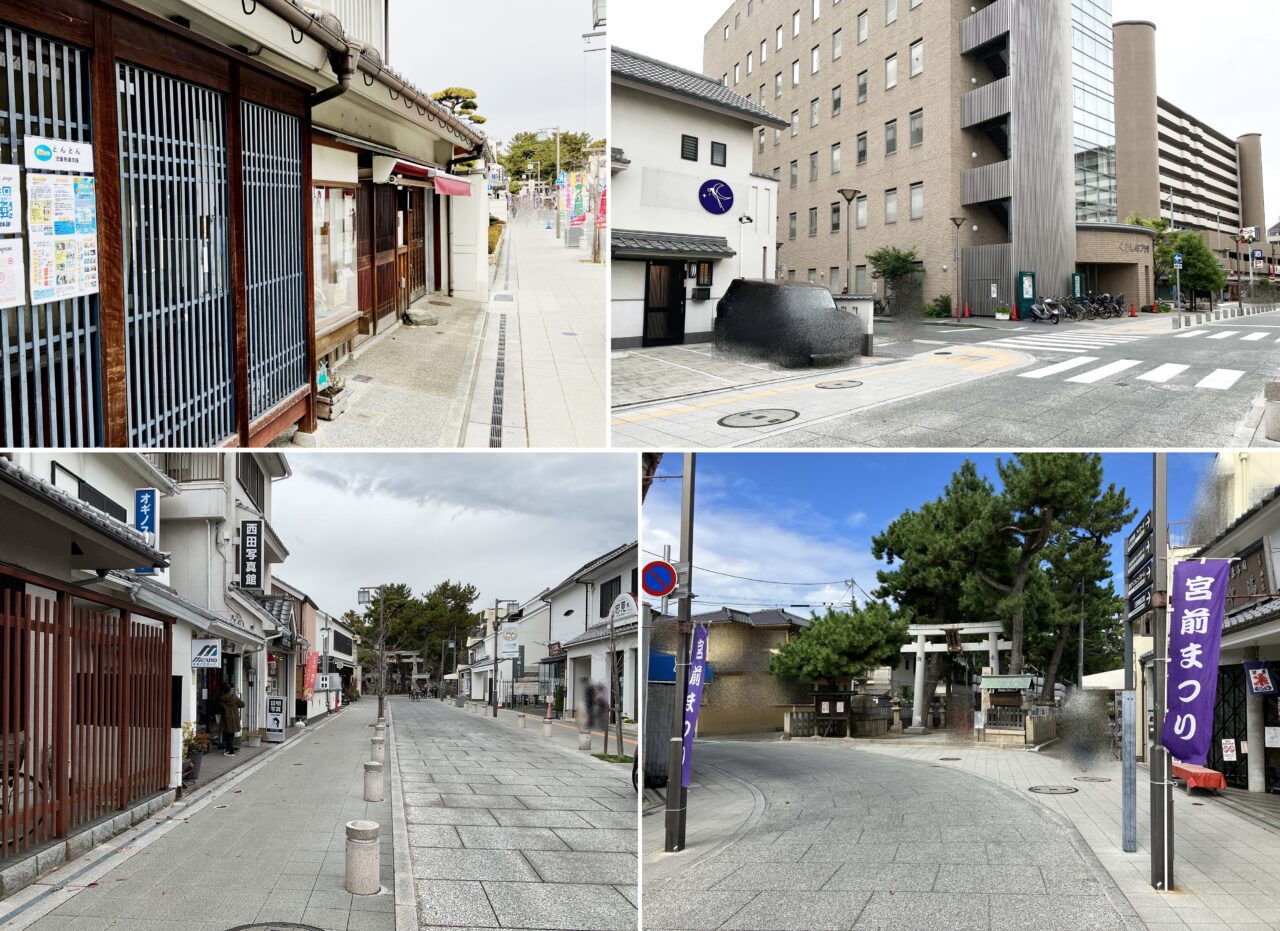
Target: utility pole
1080	659
955	260
1161	784
493	683
677	795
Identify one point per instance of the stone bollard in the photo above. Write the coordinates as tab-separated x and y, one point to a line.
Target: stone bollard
522	721
381	722
1271	410
363	867
1177	323
378	749
373	782
584	740
546	728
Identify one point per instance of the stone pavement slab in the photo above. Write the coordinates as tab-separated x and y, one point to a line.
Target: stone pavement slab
265	843
557	851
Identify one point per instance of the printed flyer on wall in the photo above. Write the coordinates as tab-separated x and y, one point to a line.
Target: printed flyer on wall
62	227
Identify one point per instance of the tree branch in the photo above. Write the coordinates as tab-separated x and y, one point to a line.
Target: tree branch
1000	586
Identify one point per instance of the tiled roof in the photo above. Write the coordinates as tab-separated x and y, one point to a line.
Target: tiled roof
1256	613
593	564
1244	518
280	607
600	632
618	156
769	617
679	245
86	513
701	88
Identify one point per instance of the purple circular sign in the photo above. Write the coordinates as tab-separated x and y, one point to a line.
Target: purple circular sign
716	196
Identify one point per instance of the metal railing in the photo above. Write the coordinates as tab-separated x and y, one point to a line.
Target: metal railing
178	314
189	467
50	363
84	713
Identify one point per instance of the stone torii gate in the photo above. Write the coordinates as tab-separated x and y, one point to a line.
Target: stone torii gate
951	644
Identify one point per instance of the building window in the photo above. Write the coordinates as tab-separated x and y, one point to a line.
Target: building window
862	27
795	172
813	221
835	158
249	475
862	148
890	11
862	87
813	112
833	280
791	226
726	32
777	84
916	127
737	20
795	24
724	79
837	44
777	172
795	123
764	50
891	205
610	590
914	4
813	60
718	154
860	212
890	137
891	71
813	166
795	72
917	57
760	144
813	276
333	234
736	72
860	279
750	62
777	38
835	100
835	217
917	201
762	95
703	280
689	148
816	11
777	137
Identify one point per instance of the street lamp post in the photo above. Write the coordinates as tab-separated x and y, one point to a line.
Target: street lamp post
848	193
743	221
955	259
493	685
547	129
365	596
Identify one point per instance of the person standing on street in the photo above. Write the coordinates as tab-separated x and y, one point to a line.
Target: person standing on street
231	704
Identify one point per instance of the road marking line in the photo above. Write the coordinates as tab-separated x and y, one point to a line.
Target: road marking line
1088	378
931	342
1164	372
1059	367
1255	336
1048	348
1220	378
1189	333
1224	334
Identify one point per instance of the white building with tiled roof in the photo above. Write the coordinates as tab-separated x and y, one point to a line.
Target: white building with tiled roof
689	213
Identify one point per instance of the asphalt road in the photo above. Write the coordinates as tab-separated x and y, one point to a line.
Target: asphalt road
846	839
1116	383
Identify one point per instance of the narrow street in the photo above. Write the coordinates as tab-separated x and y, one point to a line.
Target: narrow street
508	829
824	836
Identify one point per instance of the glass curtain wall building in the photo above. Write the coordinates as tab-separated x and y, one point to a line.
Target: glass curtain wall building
1093	98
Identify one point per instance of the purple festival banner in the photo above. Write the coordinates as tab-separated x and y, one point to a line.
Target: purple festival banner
1195	634
693	699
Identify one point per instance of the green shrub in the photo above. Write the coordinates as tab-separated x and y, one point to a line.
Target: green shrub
939	308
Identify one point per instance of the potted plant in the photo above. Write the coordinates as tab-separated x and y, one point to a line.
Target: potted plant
333	399
254	738
194	746
1002	312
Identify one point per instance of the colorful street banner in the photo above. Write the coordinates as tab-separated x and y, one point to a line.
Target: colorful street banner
1195	634
1261	679
693	699
309	674
602	213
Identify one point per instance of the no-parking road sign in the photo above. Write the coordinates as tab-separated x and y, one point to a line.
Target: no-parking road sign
658	578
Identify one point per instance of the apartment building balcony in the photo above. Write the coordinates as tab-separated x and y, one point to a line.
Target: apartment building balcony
988	24
987	103
986	184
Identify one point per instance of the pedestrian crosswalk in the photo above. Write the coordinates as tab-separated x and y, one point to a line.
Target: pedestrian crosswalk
1068	341
1165	373
1254	337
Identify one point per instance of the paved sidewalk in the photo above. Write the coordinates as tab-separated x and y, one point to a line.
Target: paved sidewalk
509	830
564	731
546	320
1226	867
266	843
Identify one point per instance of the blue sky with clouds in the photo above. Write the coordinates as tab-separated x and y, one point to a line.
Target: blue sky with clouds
809	517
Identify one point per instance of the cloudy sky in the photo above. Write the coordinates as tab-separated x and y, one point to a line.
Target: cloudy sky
1208	63
526	61
509	523
806	519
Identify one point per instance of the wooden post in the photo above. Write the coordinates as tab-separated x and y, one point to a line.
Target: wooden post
239	297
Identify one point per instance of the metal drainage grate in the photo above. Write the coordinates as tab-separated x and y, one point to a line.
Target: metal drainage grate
839	383
1093	779
499	386
1053	790
275	926
950	758
363	379
761	418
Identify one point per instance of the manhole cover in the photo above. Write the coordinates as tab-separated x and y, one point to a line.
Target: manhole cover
276	926
949	758
1053	790
764	418
1092	779
436	304
362	378
942	352
839	383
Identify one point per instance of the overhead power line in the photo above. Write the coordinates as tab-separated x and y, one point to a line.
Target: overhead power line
747	578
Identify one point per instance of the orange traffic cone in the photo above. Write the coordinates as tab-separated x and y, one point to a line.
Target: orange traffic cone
1133	310
1013	312
966	310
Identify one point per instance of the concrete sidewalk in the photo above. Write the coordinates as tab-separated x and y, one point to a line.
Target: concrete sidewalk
564	731
543	351
265	843
1226	867
509	829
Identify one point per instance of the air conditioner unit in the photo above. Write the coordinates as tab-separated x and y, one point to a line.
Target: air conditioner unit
701	294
